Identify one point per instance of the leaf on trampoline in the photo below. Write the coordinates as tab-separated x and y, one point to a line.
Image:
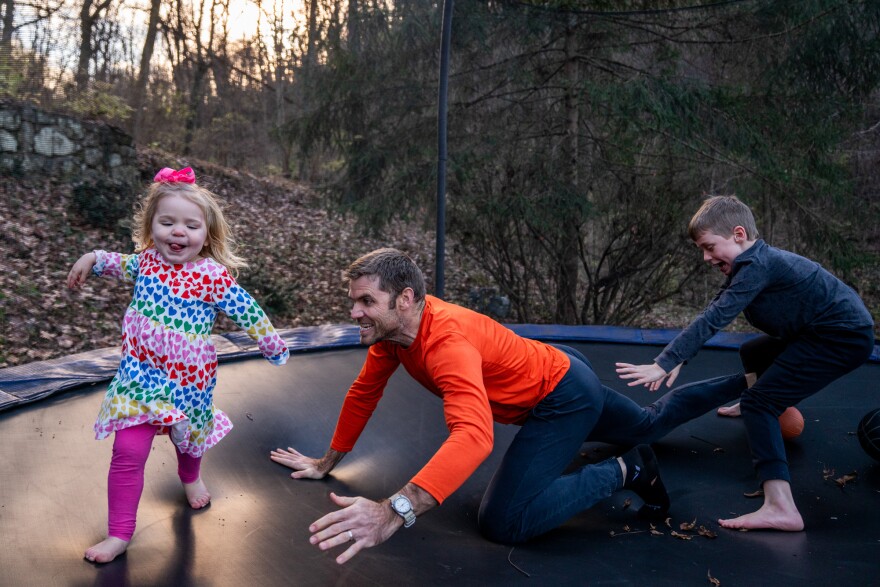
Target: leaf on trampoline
842	481
756	493
706	533
688	525
712	579
681	536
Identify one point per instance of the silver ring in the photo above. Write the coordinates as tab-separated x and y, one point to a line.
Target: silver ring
350	536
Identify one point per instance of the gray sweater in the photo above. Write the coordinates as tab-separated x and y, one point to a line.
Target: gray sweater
780	293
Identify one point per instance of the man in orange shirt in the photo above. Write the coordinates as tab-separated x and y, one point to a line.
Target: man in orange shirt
484	372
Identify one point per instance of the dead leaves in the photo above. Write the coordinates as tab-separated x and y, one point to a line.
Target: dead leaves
841	481
689	530
626	530
686	531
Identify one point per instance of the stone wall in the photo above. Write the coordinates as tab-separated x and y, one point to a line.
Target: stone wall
34	141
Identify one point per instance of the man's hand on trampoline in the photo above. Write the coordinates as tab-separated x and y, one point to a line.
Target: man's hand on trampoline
651	376
303	467
360	524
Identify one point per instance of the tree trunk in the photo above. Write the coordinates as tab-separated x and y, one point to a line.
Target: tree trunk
357	168
304	83
8	7
569	238
144	72
87	20
312	35
200	72
85	45
281	92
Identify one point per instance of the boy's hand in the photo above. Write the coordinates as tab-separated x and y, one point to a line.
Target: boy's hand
303	467
651	376
81	270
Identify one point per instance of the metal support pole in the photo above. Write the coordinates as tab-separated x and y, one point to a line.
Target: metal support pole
442	112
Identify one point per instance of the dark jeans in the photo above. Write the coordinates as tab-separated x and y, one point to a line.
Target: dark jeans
529	494
789	372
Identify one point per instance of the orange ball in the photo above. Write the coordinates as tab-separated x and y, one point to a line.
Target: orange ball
792	423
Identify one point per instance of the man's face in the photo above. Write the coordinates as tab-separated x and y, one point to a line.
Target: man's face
720	251
374	310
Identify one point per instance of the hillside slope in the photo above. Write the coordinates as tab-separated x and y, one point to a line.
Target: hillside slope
295	250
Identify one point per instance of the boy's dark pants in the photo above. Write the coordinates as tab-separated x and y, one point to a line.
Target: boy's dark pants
789	372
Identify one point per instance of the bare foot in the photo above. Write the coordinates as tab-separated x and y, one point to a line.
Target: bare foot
767	518
197	494
730	411
106	550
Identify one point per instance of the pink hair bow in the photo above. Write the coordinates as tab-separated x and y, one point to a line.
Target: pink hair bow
185	175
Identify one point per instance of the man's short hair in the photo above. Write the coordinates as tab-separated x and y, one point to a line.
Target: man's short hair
395	270
720	215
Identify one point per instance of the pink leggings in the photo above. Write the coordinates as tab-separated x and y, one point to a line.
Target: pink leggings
125	483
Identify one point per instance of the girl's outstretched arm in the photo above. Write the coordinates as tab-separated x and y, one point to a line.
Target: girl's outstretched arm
81	270
234	301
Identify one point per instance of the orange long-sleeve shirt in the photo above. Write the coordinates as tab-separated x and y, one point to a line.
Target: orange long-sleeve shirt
481	370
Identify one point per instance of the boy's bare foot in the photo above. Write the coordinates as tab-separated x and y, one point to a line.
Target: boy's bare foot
106	550
197	494
767	518
730	411
777	513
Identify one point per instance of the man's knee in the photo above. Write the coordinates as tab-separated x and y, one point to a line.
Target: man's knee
497	532
495	526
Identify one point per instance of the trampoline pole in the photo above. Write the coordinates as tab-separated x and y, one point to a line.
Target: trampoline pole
442	111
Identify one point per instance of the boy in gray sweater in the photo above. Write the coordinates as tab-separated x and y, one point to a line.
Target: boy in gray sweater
816	328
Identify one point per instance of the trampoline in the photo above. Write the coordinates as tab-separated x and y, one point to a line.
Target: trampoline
255	532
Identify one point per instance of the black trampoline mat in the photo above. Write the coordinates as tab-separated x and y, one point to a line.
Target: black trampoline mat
53	479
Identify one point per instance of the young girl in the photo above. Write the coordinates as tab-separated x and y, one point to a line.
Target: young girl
166	379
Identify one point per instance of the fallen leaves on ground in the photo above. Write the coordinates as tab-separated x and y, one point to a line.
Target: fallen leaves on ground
689	530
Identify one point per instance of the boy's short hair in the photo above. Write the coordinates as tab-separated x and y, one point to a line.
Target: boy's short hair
395	270
720	215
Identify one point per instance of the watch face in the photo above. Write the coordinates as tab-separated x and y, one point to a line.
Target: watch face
401	504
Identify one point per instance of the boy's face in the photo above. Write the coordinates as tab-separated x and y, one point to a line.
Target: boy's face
720	251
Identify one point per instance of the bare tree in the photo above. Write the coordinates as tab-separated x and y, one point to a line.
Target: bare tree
140	88
8	20
90	12
190	37
27	13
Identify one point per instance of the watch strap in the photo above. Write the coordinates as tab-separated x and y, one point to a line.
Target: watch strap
409	516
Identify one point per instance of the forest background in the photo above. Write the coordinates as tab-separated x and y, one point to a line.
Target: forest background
583	134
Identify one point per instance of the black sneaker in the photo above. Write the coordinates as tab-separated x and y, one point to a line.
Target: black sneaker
643	478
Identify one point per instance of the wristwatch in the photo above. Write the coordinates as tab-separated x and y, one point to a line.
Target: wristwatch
401	506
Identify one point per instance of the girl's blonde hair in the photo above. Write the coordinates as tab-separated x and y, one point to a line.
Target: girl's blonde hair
219	244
